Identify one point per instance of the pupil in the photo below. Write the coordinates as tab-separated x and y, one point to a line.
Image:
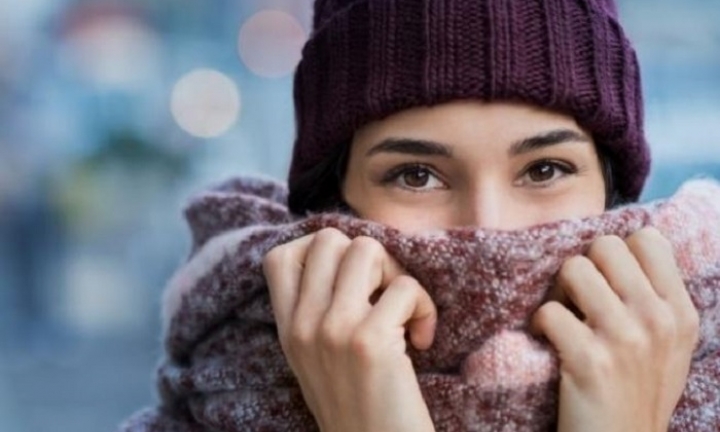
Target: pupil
542	173
417	178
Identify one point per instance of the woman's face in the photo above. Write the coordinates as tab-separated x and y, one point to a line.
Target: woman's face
486	165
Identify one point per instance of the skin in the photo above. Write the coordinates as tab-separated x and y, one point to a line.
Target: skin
484	181
620	317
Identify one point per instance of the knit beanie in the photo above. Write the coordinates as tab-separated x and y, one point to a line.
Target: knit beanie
367	59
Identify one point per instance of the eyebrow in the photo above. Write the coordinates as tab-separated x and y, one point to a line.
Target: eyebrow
419	147
546	139
416	147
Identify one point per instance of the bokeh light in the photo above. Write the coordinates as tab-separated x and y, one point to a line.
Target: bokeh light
114	51
270	43
205	103
102	104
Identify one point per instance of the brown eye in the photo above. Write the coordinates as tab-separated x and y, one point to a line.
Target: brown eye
413	178
542	172
416	177
545	173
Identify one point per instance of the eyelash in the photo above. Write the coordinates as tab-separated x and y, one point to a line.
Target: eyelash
397	172
565	168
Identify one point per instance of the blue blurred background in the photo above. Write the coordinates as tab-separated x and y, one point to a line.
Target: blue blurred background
113	111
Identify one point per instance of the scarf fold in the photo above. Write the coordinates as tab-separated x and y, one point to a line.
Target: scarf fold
223	368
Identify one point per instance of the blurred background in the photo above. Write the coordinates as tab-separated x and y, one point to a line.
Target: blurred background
113	111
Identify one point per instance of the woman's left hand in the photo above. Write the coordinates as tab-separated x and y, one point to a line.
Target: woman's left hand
624	364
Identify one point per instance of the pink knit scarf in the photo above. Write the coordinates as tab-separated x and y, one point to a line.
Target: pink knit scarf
223	369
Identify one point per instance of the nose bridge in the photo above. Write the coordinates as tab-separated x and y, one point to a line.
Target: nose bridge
488	207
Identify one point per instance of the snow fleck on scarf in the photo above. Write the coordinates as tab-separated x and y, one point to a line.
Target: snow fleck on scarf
224	370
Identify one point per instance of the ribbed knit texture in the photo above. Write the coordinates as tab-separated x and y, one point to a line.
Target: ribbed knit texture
367	59
224	370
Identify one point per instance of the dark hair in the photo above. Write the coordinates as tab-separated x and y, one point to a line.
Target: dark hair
319	189
613	198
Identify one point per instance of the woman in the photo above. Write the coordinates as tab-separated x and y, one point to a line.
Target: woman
417	117
493	114
495	166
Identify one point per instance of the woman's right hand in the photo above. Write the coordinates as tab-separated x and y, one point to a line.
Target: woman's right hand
343	308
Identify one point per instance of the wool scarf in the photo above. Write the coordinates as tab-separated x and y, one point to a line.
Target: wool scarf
223	368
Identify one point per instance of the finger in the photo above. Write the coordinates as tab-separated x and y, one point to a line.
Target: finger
404	303
613	258
283	267
564	330
323	258
558	294
587	289
366	267
656	258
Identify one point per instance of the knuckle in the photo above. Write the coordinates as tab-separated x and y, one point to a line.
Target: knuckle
368	245
611	242
362	345
300	338
602	363
544	311
406	284
661	323
331	336
650	238
575	265
328	235
330	239
592	358
543	315
635	340
275	257
672	328
660	239
596	364
606	245
540	317
650	233
296	343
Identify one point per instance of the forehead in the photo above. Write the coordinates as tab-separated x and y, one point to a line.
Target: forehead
459	121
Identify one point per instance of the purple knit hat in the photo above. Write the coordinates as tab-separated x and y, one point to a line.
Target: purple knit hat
367	59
